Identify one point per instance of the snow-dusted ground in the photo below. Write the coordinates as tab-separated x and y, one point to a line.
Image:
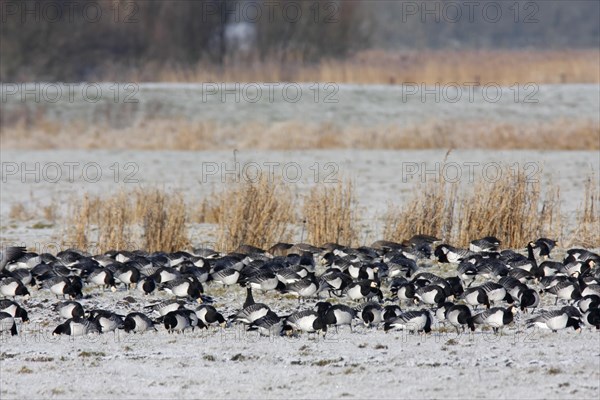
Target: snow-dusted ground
123	104
231	363
39	178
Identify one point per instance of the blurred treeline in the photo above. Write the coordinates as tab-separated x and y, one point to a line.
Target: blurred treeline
89	37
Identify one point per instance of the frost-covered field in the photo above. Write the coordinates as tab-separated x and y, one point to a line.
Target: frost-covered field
231	363
122	104
381	177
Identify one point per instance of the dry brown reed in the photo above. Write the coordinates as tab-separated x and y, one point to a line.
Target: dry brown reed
430	211
100	224
329	213
254	213
260	214
560	134
208	210
20	212
511	208
164	222
78	225
114	222
587	232
504	67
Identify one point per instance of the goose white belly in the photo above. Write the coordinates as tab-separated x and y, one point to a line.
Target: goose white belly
8	289
304	323
57	288
354	293
342	318
180	290
428	296
497	294
99	279
554	323
496	319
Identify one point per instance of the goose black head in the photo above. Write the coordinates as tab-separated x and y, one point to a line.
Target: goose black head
128	325
322	307
170	321
456	285
63	329
22	313
574	323
529	297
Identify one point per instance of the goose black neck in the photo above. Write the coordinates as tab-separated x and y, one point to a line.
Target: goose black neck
249	298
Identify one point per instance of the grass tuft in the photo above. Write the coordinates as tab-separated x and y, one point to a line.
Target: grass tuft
330	214
254	213
164	222
511	208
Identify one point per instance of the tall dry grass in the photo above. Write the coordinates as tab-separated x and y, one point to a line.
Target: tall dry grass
164	222
254	213
587	231
430	211
126	221
511	208
504	67
20	212
99	224
330	214
78	225
114	221
263	213
167	134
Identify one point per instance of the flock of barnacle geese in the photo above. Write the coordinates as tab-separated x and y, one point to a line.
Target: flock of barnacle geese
387	285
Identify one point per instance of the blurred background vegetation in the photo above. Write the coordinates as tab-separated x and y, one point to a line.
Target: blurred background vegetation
146	38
